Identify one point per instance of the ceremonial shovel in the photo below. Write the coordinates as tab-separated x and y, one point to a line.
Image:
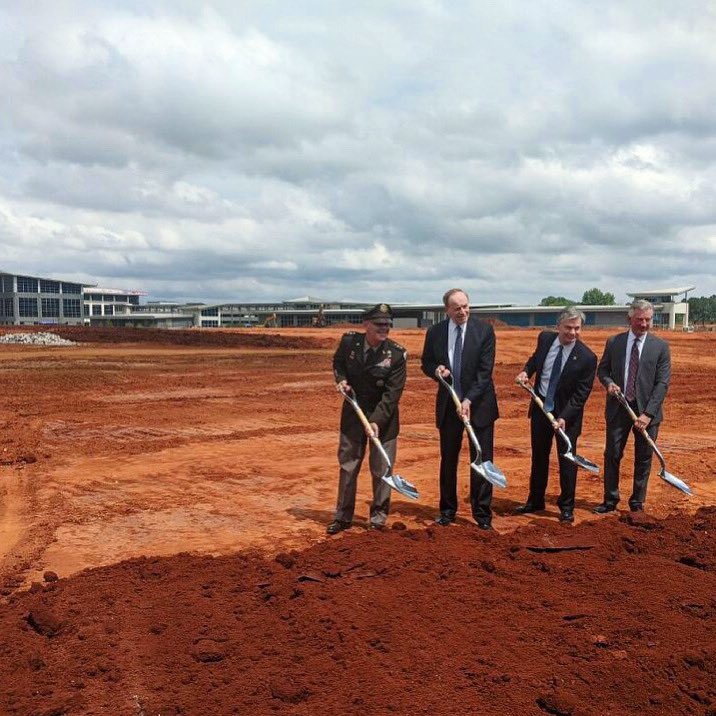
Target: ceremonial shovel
578	460
486	469
677	482
398	483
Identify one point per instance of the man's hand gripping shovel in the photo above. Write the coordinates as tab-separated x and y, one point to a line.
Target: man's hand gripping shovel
578	460
486	469
398	483
677	482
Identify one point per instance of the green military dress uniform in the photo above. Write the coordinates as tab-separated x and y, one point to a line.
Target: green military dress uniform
378	377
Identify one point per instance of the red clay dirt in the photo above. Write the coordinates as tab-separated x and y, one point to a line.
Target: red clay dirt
179	483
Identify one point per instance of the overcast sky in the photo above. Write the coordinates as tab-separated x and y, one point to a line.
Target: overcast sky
377	150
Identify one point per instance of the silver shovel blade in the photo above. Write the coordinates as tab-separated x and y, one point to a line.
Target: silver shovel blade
677	482
401	485
582	462
490	472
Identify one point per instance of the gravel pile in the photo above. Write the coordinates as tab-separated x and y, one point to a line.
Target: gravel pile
36	339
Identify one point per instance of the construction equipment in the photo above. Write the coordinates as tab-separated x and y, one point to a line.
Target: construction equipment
676	482
319	320
487	468
578	460
271	321
397	482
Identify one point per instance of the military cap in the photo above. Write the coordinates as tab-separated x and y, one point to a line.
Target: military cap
380	310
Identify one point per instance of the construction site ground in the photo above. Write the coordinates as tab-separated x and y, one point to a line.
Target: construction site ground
179	484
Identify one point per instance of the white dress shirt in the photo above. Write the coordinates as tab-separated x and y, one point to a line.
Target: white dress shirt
630	341
452	335
549	362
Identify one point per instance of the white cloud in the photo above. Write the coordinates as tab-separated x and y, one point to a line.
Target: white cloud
223	150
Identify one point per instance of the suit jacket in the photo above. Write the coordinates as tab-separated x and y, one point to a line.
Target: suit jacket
575	381
478	360
652	380
378	384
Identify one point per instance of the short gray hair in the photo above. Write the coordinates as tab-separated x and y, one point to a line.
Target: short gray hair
569	314
640	305
452	291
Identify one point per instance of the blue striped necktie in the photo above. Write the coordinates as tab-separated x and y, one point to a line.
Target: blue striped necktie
553	380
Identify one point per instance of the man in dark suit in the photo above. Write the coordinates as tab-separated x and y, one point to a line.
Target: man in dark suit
464	348
638	364
375	368
564	370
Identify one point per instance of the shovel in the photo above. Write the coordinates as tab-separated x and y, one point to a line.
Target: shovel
677	482
578	460
398	483
486	469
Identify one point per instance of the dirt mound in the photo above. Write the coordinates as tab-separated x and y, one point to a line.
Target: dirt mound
616	616
196	337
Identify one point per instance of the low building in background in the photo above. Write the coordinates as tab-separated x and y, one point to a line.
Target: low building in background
27	300
33	300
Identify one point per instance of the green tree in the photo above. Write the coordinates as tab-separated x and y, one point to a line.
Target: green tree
595	297
702	309
556	301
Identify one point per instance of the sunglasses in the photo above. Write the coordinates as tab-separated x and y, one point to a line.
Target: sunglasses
381	324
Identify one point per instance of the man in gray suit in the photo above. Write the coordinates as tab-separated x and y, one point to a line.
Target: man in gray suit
638	364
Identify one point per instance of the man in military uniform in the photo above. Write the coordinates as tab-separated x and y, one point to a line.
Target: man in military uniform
375	368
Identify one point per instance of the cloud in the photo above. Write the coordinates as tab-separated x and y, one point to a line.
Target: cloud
226	151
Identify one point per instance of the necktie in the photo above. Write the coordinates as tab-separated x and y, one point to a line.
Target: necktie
553	380
457	362
633	370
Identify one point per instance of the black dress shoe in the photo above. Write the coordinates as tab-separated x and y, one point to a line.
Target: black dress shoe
636	508
444	520
484	525
604	508
527	508
337	526
566	516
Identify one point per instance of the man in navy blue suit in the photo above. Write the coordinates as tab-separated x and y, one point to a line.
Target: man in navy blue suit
464	348
564	371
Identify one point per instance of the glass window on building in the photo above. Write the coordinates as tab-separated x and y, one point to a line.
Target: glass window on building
49	286
71	307
71	288
27	307
210	312
109	310
50	307
26	285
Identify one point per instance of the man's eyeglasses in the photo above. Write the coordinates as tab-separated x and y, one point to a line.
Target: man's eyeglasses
381	324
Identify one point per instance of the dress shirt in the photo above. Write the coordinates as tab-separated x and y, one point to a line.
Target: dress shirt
630	341
549	361
452	334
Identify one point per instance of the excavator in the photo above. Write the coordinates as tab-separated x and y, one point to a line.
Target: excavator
319	321
270	322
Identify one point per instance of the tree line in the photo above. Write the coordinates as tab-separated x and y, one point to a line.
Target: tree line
591	297
702	309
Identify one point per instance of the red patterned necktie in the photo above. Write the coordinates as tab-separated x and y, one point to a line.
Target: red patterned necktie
633	370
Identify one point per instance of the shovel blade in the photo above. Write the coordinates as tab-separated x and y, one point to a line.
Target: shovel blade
677	482
582	462
490	472
402	486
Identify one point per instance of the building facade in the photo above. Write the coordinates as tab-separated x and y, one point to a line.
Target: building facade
30	300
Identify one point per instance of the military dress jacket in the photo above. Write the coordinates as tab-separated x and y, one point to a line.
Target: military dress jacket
378	381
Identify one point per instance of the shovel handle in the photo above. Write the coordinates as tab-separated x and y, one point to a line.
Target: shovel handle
540	404
622	399
350	396
450	389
